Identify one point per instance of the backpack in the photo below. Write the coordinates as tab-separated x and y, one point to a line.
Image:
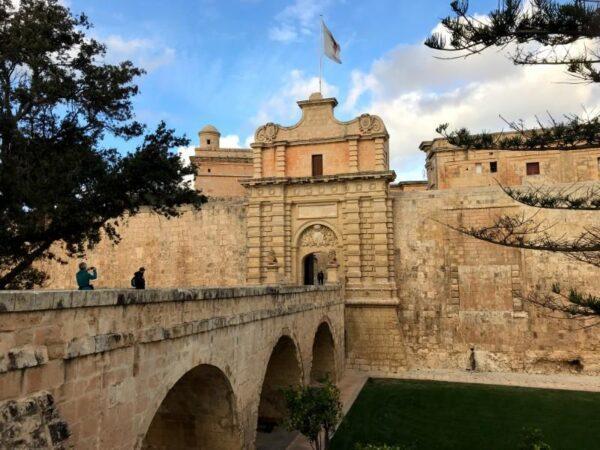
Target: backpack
133	282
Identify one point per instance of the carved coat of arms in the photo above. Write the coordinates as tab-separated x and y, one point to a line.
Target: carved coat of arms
318	236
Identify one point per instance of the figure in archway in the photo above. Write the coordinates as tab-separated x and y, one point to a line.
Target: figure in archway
314	267
316	245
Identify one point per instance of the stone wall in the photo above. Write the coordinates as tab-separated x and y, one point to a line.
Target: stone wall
32	422
449	167
457	293
109	358
219	171
199	248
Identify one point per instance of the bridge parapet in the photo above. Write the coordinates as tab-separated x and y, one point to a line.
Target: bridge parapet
109	354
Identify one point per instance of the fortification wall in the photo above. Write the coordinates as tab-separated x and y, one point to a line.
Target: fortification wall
198	248
457	293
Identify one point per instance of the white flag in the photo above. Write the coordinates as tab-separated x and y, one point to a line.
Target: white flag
330	46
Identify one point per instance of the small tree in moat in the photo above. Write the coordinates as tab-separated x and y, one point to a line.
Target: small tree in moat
541	32
59	181
533	439
314	411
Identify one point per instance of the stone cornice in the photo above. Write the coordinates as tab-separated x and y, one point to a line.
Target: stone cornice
330	140
387	176
222	150
219	158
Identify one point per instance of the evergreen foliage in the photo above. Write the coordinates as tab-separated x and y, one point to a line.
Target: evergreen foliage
60	102
543	32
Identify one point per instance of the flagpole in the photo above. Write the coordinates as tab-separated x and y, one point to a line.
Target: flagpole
321	58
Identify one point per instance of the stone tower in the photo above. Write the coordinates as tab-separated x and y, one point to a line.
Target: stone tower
219	170
209	137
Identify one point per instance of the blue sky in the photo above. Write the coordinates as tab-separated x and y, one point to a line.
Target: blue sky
237	64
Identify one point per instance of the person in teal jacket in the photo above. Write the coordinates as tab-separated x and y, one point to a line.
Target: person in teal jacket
84	276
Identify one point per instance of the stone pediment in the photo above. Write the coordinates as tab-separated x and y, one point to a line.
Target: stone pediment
318	124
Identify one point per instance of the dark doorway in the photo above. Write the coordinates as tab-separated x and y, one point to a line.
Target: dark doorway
317	165
309	269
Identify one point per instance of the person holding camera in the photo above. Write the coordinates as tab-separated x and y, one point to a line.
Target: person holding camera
84	276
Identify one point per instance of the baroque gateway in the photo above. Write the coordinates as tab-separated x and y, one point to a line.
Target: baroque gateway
310	203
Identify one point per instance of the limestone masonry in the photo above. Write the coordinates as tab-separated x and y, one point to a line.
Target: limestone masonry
159	369
309	203
318	196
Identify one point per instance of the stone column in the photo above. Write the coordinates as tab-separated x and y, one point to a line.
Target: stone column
287	253
280	160
380	240
380	157
253	242
277	219
352	241
353	155
257	162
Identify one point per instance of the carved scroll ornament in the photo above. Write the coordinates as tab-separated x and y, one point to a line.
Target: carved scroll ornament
369	124
267	133
318	236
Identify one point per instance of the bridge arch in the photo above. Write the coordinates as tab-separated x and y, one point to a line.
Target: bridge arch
284	369
323	354
198	412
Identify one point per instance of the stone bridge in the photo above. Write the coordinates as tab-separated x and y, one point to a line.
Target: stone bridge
158	369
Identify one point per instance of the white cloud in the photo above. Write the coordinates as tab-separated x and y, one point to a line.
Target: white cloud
281	106
230	141
146	53
297	19
16	4
414	92
283	33
184	154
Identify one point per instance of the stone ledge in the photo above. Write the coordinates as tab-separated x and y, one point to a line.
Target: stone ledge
23	357
89	345
100	343
389	175
23	301
372	302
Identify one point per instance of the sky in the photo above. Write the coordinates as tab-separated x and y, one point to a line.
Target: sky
237	64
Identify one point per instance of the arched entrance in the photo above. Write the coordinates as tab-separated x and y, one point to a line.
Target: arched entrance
323	356
197	413
283	370
316	248
308	264
314	267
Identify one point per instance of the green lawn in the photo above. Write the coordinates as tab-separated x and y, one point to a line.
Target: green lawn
433	415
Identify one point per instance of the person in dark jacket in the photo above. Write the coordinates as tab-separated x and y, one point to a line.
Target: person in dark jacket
138	281
84	276
320	277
